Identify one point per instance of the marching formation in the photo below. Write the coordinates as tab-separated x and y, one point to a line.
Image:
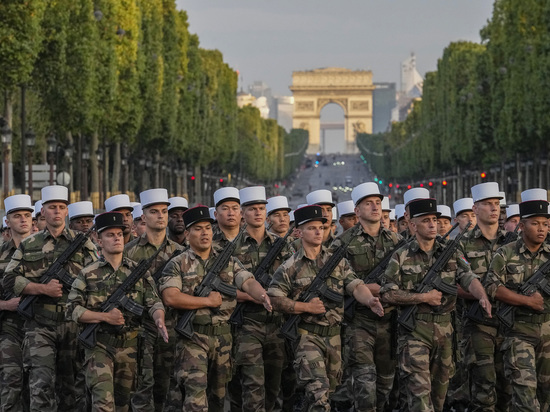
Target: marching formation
249	306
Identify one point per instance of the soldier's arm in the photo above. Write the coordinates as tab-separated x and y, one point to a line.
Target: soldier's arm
364	296
258	294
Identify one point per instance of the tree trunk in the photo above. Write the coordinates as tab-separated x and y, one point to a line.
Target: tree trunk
115	187
106	159
94	192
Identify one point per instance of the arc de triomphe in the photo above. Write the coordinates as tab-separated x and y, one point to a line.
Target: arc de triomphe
350	89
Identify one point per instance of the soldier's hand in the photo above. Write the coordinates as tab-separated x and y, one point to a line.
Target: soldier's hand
115	317
536	302
316	306
11	304
486	305
214	299
162	329
53	289
376	306
267	302
433	297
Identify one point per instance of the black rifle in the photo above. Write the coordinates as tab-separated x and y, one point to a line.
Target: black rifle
261	274
318	286
449	231
158	273
476	313
536	282
120	299
211	282
55	271
373	277
431	281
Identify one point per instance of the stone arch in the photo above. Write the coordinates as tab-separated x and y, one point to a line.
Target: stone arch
314	89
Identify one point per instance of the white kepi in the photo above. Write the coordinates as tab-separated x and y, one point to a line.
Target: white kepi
38	207
320	197
465	204
386	204
18	202
364	190
178	202
226	194
346	208
487	190
152	197
534	194
445	211
80	209
512	210
137	212
415	193
392	215
276	203
503	199
212	211
118	202
55	193
252	195
399	211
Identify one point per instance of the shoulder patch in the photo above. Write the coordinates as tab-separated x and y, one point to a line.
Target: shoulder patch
464	260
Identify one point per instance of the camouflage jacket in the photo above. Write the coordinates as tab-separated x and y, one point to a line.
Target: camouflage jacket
97	281
410	264
219	240
36	254
250	254
186	272
296	274
513	265
12	318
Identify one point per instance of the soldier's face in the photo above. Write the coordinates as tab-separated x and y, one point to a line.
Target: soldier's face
199	236
464	217
156	217
139	226
402	224
127	220
312	233
20	222
279	221
385	220
443	225
487	211
6	234
111	241
254	215
393	226
534	230
348	221
82	224
510	224
55	214
175	221
369	209
41	221
425	226
228	214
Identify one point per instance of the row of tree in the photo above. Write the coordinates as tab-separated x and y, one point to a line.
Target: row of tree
127	79
485	106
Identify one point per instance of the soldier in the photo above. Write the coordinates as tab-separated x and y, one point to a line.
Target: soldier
40	218
121	203
393	223
489	390
139	224
526	344
333	226
50	339
260	349
278	215
318	351
386	209
227	214
402	223
176	228
157	355
203	362
323	198
512	218
14	390
111	365
369	338
6	232
502	218
348	218
444	219
464	213
425	353
81	216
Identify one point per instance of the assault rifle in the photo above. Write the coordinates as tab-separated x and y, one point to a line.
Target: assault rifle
211	282
55	271
318	286
120	299
261	274
431	281
373	277
536	282
476	312
450	230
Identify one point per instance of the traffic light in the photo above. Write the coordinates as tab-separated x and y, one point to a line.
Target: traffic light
430	184
193	178
390	185
421	184
483	175
409	186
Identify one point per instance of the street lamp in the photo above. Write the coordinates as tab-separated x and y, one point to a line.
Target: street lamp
84	173
69	151
124	163
30	141
6	142
52	150
99	154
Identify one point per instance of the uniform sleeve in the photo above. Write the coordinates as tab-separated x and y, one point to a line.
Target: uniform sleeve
335	244
151	297
464	274
351	281
280	283
392	275
171	276
90	253
14	278
77	298
496	274
240	274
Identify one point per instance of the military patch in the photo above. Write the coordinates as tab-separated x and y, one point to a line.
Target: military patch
464	260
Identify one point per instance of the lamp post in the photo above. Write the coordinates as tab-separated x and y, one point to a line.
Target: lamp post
69	151
6	142
52	151
99	154
84	173
124	163
30	141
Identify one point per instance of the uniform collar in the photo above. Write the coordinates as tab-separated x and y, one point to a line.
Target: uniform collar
477	233
66	233
102	262
301	255
522	248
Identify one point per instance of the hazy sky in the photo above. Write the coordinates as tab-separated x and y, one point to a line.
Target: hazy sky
269	39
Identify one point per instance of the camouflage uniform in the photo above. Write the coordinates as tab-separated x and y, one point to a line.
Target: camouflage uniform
318	361
369	339
110	367
50	340
259	347
203	363
14	389
526	346
489	389
157	357
425	354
